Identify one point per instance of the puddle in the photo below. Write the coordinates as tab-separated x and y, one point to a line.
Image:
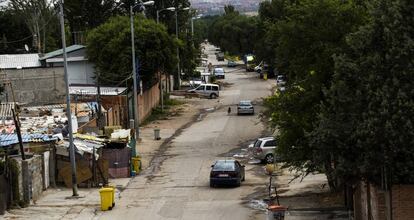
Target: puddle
240	155
254	161
258	205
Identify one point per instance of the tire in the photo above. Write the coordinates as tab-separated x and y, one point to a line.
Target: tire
269	159
213	96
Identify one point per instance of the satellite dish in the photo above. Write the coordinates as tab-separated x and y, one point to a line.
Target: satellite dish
26	47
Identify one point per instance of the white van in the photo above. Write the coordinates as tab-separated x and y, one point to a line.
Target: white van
207	90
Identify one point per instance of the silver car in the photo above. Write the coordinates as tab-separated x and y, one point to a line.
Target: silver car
264	149
207	90
245	107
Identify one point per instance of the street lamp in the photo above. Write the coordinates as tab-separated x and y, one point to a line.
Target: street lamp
161	10
161	85
134	75
68	111
178	51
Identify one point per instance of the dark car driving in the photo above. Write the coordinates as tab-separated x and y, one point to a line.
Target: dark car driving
226	172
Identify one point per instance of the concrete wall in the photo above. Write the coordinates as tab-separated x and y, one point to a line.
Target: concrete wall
36	86
28	179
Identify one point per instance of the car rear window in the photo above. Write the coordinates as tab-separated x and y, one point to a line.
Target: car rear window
215	88
245	103
257	143
270	143
224	166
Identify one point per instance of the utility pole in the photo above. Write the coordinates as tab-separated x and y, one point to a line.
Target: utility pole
134	75
178	52
68	112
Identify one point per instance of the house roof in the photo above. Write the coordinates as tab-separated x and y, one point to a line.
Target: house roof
6	110
17	61
10	139
60	51
93	90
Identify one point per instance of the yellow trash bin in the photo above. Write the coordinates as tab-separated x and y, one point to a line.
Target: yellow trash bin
113	194
106	198
265	76
136	163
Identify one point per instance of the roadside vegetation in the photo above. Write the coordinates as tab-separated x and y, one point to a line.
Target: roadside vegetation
348	105
171	108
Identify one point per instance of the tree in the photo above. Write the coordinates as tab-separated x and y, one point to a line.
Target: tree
14	33
41	20
234	33
367	121
109	47
84	15
303	45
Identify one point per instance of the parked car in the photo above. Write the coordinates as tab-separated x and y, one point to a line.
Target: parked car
207	90
259	67
263	149
227	172
280	80
219	73
231	63
220	56
245	107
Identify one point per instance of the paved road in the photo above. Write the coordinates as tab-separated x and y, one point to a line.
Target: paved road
178	187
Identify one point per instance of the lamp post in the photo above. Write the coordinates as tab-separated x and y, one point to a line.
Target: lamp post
178	51
161	10
161	85
68	112
134	75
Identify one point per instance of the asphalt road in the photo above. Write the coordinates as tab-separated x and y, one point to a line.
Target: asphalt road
178	185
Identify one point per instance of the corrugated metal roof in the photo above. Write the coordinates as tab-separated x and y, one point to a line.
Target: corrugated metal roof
60	51
93	90
10	139
14	61
6	112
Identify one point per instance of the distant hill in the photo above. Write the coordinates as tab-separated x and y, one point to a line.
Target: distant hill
213	7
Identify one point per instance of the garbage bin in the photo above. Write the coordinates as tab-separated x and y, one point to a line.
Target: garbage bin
136	164
113	194
276	212
107	195
157	134
265	76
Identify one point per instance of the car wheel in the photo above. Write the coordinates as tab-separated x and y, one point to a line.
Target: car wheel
269	158
213	96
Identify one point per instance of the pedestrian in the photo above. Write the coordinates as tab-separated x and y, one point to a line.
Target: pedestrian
210	67
229	110
65	129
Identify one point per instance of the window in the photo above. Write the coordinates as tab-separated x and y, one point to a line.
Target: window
215	88
224	166
257	143
271	143
208	88
200	88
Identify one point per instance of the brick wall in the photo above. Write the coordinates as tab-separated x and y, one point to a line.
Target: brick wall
371	201
403	202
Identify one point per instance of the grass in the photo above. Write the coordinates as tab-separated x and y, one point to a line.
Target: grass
158	114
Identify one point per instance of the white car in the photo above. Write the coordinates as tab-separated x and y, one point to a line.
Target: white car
207	90
280	80
219	73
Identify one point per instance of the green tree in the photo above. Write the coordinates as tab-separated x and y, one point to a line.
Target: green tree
303	45
109	47
234	33
367	121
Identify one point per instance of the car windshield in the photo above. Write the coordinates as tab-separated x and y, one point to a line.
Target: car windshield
245	103
224	166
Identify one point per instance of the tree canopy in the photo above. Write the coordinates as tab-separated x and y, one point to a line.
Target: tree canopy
109	47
